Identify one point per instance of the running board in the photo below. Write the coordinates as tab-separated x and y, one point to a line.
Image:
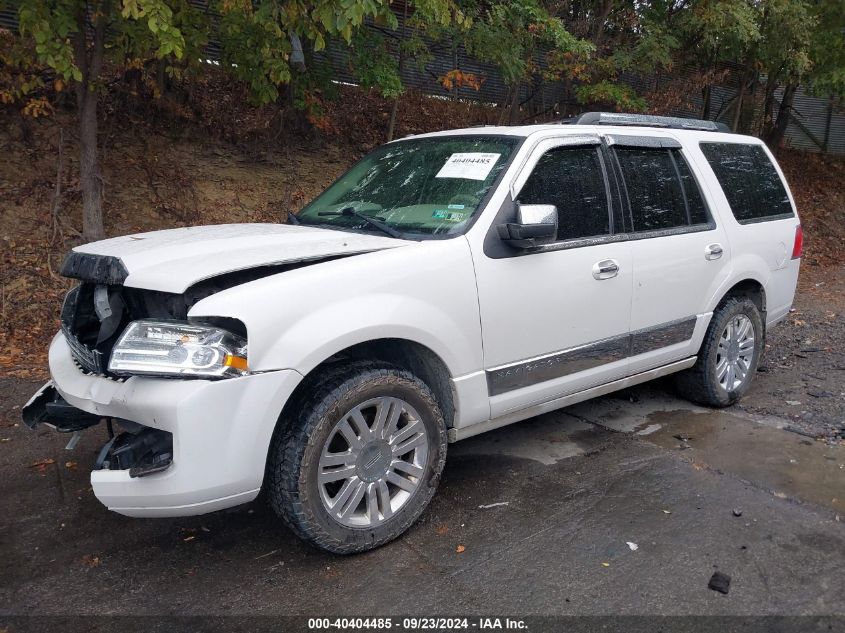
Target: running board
456	434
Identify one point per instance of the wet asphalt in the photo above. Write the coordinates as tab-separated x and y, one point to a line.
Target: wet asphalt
625	505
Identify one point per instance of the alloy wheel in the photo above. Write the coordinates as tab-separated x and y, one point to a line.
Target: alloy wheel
372	462
735	353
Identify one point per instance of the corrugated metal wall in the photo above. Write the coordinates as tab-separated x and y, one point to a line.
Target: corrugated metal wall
820	122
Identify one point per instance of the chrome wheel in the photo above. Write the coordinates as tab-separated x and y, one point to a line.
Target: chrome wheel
735	353
372	462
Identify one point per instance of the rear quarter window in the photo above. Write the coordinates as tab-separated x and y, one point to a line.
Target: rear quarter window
749	180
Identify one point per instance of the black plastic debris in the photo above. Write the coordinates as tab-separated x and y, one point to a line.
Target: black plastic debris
719	582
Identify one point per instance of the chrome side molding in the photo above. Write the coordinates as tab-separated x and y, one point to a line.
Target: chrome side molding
456	434
570	361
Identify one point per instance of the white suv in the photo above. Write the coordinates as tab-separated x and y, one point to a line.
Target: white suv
448	284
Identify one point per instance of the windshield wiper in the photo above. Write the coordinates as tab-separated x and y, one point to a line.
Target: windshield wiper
351	212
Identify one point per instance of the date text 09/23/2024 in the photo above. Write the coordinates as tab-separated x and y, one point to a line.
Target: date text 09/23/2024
417	623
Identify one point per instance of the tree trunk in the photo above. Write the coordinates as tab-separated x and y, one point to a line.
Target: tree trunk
705	110
740	97
400	62
90	178
513	115
391	126
777	131
90	63
768	107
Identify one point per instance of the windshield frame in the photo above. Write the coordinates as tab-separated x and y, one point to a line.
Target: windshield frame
518	140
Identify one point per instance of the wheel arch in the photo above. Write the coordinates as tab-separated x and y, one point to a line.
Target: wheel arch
749	288
406	354
403	353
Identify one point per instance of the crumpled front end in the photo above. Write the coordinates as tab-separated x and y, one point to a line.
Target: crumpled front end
179	447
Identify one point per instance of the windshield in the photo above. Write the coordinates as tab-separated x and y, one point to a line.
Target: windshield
420	187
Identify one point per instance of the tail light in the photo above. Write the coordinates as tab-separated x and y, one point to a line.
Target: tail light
798	246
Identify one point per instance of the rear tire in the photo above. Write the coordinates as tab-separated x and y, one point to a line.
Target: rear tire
729	355
360	458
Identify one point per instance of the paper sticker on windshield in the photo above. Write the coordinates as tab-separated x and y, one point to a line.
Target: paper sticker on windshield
468	165
449	216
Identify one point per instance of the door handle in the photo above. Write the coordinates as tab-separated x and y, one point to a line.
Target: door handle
605	269
713	251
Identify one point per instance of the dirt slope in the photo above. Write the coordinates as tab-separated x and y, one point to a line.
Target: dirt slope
166	171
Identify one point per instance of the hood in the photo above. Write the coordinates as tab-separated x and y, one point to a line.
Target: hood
175	259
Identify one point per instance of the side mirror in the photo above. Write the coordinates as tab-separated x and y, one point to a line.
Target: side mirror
536	225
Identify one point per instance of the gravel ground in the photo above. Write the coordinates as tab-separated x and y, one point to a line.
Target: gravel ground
802	374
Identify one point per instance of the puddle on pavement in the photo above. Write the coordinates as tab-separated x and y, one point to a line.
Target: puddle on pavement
787	464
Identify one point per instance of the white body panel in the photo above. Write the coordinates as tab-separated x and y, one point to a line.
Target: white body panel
174	259
480	315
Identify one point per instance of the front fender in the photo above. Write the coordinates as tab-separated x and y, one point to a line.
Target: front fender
423	293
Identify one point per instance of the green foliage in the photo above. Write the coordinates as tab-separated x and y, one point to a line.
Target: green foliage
375	65
718	30
158	17
21	78
255	36
621	96
511	35
827	50
589	44
51	25
787	28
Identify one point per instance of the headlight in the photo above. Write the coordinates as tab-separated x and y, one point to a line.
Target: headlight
178	349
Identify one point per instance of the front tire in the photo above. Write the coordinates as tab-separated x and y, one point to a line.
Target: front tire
729	355
360	458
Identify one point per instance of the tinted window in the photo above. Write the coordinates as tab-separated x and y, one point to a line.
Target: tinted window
750	182
695	203
654	188
571	178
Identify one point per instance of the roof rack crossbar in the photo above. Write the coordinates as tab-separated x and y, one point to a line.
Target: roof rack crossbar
647	120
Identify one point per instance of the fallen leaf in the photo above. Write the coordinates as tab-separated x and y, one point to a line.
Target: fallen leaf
189	538
605	564
632	546
441	530
70	465
460	549
41	466
91	561
667	512
43	462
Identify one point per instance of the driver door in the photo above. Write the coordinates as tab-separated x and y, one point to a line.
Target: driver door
555	320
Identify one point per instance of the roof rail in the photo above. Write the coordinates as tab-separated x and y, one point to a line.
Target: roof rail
646	120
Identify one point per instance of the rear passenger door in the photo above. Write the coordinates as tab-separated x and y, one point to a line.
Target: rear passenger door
680	254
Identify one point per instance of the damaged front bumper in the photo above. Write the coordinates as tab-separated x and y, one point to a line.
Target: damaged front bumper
138	449
186	446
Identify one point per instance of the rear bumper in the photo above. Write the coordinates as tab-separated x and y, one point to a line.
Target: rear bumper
221	434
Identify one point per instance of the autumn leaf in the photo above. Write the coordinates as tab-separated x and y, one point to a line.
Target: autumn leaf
460	549
459	79
41	466
91	561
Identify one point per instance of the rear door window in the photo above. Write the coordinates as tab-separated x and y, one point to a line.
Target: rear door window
661	189
749	180
572	179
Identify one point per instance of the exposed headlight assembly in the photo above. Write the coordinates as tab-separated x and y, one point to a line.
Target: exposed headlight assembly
169	348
